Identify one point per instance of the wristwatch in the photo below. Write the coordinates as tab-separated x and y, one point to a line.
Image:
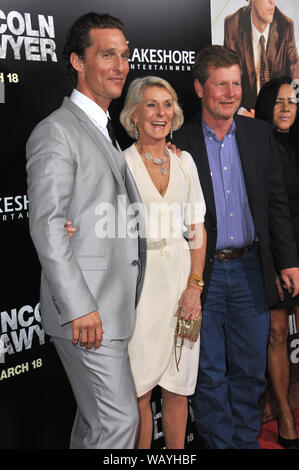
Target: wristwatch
197	280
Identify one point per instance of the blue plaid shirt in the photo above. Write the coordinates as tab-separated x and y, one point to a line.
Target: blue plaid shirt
235	226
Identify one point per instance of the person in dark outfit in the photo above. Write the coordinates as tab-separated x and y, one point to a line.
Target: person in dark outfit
277	104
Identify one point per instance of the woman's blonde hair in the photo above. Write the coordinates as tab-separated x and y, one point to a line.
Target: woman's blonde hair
134	96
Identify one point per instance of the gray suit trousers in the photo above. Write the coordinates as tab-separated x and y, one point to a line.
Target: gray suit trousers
107	414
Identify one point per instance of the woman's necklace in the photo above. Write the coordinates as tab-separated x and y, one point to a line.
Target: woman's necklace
158	161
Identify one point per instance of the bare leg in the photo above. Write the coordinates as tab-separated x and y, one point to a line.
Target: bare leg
279	370
174	419
145	431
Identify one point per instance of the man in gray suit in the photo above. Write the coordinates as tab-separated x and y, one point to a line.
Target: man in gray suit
90	284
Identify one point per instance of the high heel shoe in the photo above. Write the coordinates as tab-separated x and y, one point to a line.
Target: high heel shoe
286	443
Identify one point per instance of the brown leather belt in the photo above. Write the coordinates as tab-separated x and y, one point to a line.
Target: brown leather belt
232	253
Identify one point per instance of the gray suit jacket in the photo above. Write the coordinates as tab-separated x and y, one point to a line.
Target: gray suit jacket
75	173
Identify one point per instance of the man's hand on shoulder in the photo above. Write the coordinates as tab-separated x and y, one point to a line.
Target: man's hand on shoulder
245	112
290	277
174	148
88	329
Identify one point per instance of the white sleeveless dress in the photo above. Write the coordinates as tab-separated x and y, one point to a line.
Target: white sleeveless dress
151	346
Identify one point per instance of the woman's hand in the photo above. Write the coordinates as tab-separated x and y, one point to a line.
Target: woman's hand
190	304
247	113
279	288
174	148
69	228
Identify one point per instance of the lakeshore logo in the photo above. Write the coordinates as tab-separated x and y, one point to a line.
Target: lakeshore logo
162	60
14	208
19	328
27	37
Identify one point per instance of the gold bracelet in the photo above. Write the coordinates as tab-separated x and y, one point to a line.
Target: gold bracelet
195	285
196	279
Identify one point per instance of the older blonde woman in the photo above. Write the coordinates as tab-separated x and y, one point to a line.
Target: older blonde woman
172	196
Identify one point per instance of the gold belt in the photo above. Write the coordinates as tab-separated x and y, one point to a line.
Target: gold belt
156	245
160	244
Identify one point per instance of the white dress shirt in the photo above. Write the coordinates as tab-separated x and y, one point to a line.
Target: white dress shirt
95	113
257	55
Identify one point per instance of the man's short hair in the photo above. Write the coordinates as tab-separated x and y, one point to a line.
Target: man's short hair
78	37
213	56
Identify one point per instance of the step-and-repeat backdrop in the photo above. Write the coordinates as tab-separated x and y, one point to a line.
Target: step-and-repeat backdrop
37	406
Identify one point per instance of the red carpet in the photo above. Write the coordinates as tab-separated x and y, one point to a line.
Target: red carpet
269	433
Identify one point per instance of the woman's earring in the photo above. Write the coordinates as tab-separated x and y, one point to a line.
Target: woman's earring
136	133
171	134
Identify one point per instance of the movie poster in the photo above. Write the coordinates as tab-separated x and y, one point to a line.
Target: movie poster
239	24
